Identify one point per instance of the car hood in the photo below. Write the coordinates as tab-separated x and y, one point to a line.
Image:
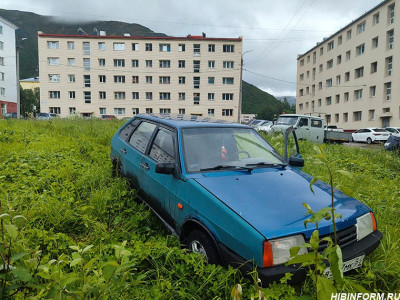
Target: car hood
271	200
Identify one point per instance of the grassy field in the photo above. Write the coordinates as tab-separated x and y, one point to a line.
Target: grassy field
70	230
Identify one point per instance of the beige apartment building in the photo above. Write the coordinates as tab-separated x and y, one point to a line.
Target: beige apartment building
352	78
127	75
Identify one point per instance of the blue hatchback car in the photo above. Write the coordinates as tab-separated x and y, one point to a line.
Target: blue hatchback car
232	197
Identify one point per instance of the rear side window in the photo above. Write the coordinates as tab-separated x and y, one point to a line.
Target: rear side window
316	123
163	149
141	136
126	132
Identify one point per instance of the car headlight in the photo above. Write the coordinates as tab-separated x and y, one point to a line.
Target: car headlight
277	251
366	224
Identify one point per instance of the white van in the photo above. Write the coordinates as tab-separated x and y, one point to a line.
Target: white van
306	127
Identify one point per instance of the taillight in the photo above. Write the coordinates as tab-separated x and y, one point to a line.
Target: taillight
374	227
376	134
268	258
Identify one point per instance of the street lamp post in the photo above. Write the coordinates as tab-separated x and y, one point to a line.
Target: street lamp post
241	85
18	47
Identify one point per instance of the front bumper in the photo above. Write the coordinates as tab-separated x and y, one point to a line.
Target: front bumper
267	275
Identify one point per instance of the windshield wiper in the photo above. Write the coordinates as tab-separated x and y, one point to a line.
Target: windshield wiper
266	164
223	167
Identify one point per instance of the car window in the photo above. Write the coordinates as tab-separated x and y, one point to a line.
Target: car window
379	130
316	123
141	136
163	149
127	130
303	122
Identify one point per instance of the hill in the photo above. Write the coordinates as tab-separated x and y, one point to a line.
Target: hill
290	99
30	23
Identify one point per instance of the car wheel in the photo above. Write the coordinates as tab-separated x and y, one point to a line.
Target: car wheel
198	241
369	141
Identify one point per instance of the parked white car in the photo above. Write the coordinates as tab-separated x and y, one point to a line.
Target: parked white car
394	130
370	135
264	126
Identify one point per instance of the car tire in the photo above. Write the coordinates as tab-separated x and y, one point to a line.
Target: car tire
369	141
198	241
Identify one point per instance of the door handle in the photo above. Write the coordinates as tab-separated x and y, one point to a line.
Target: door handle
123	150
145	166
307	128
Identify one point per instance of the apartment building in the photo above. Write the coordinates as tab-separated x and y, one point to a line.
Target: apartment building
8	68
127	75
352	77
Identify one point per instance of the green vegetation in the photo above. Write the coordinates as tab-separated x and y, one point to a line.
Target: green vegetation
30	101
70	230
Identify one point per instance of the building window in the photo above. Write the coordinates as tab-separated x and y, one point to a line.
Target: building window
2	61
182	79
55	110
320	85
211	64
71	94
71	78
361	27
228	48
389	65
301	77
228	64
391	13
135	95
210	112
165	96
135	47
181	64
54	77
119	95
339	59
149	47
348	55
86	80
196	66
102	78
181	96
227	80
331	45
165	110
54	94
211	47
374	67
329	64
313	73
196	98
227	96
102	95
119	46
308	58
348	34
211	96
165	63
328	119
102	62
135	63
119	111
339	40
165	48
358	94
371	114
196	49
372	91
338	78
196	82
357	116
328	100
102	111
360	49
346	97
321	51
149	110
301	92
359	72
181	48
211	80
149	63
165	80
337	99
375	42
181	111
301	106
329	82
86	64
52	61
375	19
102	46
72	110
119	62
227	112
388	91
70	45
149	79
321	68
2	91
149	95
135	79
301	62
345	117
347	76
86	48
87	96
52	45
119	79
390	39
314	57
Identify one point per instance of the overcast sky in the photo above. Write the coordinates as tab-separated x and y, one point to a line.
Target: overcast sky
273	31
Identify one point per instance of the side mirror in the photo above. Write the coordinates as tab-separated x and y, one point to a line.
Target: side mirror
296	161
165	168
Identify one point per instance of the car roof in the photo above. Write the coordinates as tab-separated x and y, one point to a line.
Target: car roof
186	121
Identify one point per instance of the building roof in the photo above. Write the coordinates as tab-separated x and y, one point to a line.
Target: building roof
188	37
15	27
326	40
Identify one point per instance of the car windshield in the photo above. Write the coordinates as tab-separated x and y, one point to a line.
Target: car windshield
222	148
287	120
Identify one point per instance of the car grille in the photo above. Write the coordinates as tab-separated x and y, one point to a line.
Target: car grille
345	238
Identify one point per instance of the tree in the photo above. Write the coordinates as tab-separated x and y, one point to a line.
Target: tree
30	101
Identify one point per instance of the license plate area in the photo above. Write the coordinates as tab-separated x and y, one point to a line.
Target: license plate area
347	265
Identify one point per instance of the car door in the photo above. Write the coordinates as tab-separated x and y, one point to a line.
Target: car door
160	189
303	130
366	133
316	131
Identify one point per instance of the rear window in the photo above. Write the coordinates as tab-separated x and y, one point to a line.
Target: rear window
316	123
379	130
